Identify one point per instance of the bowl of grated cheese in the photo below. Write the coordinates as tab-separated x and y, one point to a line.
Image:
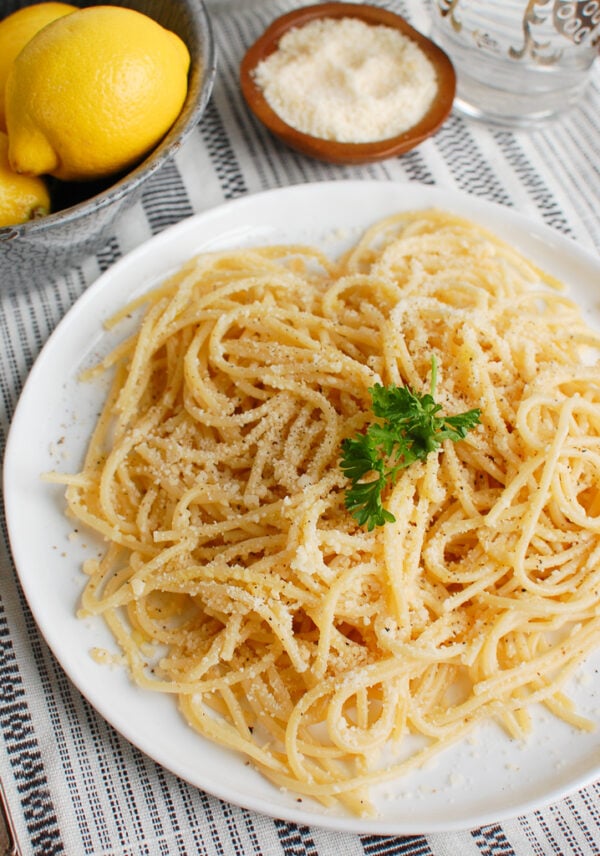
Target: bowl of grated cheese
347	82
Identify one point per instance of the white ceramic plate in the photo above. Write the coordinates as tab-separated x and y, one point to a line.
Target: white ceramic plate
477	782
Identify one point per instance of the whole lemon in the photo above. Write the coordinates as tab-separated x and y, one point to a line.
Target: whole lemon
16	30
93	92
22	197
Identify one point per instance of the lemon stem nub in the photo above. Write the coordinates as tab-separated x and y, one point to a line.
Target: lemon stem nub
22	197
29	152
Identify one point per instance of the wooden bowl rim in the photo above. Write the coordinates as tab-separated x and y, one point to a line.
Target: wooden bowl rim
331	150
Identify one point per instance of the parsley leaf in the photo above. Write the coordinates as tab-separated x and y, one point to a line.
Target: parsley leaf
408	428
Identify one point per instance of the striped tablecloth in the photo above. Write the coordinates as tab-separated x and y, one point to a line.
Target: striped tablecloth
76	786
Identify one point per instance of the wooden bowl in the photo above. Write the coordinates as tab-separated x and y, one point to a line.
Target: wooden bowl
331	150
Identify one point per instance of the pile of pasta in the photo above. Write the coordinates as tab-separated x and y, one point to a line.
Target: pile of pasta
333	657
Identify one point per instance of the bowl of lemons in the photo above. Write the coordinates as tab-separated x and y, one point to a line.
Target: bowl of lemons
94	99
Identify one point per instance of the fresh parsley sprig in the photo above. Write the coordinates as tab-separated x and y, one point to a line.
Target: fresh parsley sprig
408	428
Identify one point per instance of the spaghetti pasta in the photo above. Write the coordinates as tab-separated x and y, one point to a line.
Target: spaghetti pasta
235	578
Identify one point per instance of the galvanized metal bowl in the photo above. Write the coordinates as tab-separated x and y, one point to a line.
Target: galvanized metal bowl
85	214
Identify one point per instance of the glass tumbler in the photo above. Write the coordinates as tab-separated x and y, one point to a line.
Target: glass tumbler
518	61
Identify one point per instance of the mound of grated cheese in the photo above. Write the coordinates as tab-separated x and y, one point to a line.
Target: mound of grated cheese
344	80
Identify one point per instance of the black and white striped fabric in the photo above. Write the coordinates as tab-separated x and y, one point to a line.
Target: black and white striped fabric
74	785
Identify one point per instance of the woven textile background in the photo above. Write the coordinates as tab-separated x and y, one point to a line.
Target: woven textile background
82	789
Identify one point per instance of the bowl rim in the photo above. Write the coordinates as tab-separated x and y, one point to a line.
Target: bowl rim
155	159
332	150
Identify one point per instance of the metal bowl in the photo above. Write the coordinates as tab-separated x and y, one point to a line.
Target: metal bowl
85	213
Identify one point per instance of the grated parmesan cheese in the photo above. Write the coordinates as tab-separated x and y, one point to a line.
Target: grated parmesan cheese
344	80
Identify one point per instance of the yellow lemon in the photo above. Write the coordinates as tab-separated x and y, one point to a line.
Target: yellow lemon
22	197
93	92
16	30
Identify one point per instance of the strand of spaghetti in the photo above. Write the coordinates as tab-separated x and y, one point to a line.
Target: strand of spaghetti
366	736
373	673
402	542
127	592
514	486
575	648
395	771
228	736
324	616
539	498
